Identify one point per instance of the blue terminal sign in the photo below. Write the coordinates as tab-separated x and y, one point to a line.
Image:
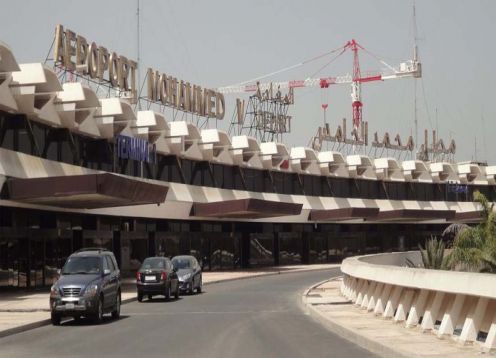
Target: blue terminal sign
135	148
457	188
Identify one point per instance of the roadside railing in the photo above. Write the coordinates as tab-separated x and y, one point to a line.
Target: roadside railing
458	305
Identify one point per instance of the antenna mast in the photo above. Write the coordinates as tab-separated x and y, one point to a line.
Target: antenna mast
415	59
138	36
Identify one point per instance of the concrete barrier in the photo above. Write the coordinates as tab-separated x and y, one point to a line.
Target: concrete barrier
456	305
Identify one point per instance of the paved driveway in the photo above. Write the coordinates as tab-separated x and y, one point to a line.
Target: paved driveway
260	317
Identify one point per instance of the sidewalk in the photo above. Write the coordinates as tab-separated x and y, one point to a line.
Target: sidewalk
325	303
20	311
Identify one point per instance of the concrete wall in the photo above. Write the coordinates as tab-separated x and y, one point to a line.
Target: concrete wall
455	305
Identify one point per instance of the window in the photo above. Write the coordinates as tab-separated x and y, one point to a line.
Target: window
110	263
340	187
106	264
168	169
255	179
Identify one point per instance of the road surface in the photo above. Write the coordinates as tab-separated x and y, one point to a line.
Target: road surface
259	317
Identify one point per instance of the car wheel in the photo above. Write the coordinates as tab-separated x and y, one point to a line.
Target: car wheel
77	319
117	312
140	297
168	292
190	289
200	284
55	319
176	295
99	312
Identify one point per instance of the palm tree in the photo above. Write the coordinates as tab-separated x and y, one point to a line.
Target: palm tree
474	249
432	255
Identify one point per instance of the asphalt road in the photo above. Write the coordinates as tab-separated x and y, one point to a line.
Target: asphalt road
259	317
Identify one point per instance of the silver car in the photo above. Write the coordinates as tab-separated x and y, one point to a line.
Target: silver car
189	273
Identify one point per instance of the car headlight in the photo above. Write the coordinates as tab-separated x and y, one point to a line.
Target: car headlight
91	290
186	277
54	291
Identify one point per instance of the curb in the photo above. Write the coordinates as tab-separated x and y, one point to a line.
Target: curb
38	324
346	333
23	328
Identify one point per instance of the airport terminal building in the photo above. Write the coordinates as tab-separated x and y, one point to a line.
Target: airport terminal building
78	171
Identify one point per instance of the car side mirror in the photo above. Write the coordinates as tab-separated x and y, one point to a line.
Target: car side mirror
106	272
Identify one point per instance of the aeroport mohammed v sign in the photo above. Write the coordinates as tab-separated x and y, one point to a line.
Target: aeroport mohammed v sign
75	54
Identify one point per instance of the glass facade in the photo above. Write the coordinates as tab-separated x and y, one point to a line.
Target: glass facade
20	134
34	244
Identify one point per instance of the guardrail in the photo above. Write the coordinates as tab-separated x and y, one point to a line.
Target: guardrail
459	305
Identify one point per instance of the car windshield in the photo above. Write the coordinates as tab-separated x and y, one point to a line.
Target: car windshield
181	263
82	265
153	263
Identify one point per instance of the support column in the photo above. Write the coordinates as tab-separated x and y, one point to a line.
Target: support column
361	292
404	305
450	319
392	303
378	289
490	343
417	309
354	288
432	312
368	295
382	299
473	322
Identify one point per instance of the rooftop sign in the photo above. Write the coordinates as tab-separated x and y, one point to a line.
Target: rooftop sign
74	53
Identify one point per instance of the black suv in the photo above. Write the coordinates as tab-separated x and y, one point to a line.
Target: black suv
157	276
89	285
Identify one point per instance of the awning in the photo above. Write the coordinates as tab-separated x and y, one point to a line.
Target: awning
468	216
415	215
245	208
89	191
343	214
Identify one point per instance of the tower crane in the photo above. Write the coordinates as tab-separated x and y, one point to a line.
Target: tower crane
410	68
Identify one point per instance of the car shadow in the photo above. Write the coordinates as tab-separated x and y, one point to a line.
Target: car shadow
161	299
89	322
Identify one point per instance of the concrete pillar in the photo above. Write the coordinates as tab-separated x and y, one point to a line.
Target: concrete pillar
342	287
404	305
417	308
345	286
451	317
473	322
431	313
368	295
351	287
490	343
361	292
382	299
392	302
373	299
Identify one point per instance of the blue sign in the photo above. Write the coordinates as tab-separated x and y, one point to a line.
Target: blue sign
458	188
135	148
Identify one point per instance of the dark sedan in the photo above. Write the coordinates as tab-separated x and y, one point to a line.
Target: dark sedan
157	276
189	273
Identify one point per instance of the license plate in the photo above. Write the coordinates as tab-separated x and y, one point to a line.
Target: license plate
149	278
69	306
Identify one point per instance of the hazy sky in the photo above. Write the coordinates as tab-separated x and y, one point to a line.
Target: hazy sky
215	43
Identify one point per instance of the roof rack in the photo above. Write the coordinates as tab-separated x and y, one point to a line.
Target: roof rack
98	249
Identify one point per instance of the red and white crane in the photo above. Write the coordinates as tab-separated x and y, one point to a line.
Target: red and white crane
410	68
